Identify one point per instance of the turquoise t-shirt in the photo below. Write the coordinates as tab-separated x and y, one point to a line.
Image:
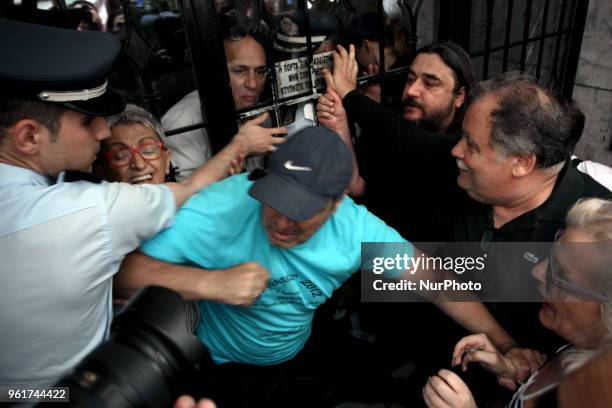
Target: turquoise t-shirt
221	226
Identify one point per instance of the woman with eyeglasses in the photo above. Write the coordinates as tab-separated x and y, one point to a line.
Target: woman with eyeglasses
576	283
135	152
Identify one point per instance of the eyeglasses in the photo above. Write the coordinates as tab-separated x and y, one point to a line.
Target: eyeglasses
553	272
242	72
122	156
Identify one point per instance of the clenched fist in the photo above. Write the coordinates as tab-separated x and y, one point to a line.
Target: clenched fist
240	285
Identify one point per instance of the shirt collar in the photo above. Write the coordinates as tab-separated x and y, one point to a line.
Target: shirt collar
21	175
555	207
568	183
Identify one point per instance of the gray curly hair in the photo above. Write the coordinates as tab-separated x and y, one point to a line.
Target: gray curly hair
594	217
133	114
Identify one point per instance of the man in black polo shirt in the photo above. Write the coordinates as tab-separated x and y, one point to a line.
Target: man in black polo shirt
511	160
434	95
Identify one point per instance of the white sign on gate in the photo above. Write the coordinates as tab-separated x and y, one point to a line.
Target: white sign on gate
292	76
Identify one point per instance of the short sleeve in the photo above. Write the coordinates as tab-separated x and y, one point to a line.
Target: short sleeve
378	240
367	226
213	217
169	245
136	213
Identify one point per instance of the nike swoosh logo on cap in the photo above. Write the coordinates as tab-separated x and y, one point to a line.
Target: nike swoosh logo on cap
289	166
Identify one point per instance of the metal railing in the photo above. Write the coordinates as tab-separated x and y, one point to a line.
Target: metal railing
540	21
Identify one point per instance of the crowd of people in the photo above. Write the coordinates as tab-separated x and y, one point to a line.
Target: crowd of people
93	209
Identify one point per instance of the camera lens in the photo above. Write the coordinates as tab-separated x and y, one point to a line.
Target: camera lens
148	359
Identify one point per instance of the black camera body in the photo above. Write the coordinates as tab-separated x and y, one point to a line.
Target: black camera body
148	360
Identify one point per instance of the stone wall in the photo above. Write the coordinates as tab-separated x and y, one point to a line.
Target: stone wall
593	86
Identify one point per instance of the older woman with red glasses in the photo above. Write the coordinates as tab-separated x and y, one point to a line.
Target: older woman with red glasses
576	282
136	152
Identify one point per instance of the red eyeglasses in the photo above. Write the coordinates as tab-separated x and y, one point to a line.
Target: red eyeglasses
122	156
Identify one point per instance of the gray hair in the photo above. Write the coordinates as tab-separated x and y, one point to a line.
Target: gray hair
529	118
133	114
594	217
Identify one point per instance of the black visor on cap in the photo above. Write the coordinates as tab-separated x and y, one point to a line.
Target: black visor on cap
288	198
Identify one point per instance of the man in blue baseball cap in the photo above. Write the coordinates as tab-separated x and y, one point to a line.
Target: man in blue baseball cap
61	242
296	221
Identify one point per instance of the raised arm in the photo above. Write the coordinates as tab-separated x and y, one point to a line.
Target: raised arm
379	122
251	138
371	116
333	116
239	285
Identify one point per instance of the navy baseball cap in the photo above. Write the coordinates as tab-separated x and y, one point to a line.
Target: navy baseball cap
313	166
57	65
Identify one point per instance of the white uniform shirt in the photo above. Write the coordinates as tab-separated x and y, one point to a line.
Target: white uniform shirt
60	245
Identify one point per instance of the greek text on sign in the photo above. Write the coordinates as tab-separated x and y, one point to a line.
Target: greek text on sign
292	76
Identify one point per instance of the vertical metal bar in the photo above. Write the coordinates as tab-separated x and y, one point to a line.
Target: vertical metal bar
273	77
542	39
560	24
381	36
415	15
129	23
309	51
573	53
452	11
527	17
412	41
507	36
275	98
304	9
381	51
487	45
131	28
210	69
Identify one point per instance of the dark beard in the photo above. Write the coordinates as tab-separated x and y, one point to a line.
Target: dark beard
432	122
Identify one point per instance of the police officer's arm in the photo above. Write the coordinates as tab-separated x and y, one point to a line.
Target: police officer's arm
250	139
238	285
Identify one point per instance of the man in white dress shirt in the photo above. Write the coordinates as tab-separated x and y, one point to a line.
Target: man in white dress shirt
61	242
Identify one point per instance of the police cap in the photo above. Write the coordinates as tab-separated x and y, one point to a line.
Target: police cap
56	65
